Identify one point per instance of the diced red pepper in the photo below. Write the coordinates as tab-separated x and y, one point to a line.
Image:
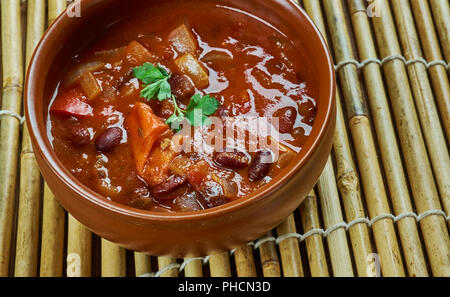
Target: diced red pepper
144	128
71	103
198	173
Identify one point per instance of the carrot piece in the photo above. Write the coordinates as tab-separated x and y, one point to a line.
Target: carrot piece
157	166
143	128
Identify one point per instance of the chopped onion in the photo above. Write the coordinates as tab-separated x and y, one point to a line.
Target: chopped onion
183	40
90	85
74	74
189	65
217	57
229	187
111	55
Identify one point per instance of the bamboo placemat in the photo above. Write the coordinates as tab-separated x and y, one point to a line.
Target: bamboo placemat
393	131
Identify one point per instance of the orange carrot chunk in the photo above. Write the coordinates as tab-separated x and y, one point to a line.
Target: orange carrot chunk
143	128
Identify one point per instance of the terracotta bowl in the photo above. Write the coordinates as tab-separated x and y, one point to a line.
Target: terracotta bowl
179	234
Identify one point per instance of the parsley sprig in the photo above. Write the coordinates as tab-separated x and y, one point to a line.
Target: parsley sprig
156	85
156	81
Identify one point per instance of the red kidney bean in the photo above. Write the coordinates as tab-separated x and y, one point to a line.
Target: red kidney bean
232	160
286	117
308	110
299	131
167	109
260	166
109	139
173	183
79	136
123	79
181	86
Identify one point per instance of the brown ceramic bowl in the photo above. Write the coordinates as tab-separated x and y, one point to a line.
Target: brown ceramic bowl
179	234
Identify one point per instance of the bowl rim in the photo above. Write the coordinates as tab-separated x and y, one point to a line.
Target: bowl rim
51	160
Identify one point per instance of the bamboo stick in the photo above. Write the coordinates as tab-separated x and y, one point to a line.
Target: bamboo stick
245	263
53	215
423	95
314	245
347	176
142	264
269	258
26	260
341	262
291	260
113	260
164	262
194	268
9	129
431	48
441	13
434	229
414	256
372	180
52	238
349	187
219	265
55	7
79	249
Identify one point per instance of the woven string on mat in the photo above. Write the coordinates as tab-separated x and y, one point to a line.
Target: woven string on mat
13	114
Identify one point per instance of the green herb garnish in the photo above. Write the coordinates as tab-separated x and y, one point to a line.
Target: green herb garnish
199	108
156	85
156	81
177	116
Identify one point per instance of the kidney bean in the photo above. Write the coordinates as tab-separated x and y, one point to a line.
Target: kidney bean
123	79
299	131
260	166
181	86
232	160
188	202
167	109
79	136
168	186
286	117
109	139
211	202
308	110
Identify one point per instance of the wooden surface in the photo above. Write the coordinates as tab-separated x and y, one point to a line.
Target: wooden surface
380	208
